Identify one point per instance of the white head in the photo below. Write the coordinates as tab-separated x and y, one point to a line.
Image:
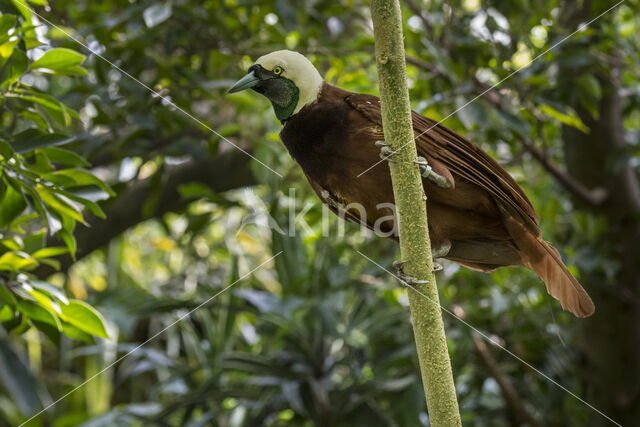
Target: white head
287	78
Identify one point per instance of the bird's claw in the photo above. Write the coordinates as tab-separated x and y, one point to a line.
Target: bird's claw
427	172
405	278
386	152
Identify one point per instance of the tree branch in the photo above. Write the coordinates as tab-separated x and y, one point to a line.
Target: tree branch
509	393
409	196
593	197
223	172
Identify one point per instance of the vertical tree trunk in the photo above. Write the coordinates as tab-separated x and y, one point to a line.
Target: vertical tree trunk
409	196
611	337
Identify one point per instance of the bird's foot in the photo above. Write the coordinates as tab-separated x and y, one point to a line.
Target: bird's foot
427	172
386	152
439	252
404	277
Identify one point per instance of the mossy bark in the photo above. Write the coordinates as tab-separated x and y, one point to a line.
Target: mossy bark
410	198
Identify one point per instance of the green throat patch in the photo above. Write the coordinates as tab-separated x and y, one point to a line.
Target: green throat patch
285	110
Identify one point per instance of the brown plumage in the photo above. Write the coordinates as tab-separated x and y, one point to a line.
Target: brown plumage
485	216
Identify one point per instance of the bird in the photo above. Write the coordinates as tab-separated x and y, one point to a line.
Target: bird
478	215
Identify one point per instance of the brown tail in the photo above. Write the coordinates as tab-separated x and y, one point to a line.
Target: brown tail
545	260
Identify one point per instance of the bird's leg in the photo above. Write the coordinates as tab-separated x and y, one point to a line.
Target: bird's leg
386	152
436	254
427	172
439	252
404	277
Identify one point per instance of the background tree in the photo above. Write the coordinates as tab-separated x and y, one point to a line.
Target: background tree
321	335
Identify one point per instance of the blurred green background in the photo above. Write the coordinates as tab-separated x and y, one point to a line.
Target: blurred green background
119	214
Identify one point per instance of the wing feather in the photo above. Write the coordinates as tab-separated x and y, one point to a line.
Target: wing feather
461	156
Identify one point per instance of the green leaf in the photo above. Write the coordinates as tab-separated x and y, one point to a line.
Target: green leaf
195	190
58	59
31	139
7	22
39	2
18	381
64	156
35	203
156	14
5	149
13	68
10	318
87	202
84	317
38	312
50	331
11	205
36	118
76	333
53	263
70	241
50	252
7	48
56	202
68	71
10	244
78	177
89	192
48	289
569	119
7	296
23	9
60	112
590	84
515	123
14	261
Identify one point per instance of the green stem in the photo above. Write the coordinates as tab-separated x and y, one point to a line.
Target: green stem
410	198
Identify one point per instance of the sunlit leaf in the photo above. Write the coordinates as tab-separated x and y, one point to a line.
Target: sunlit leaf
56	202
39	312
50	252
58	59
84	317
7	22
569	119
13	261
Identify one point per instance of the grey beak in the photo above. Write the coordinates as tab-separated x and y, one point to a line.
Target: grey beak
248	81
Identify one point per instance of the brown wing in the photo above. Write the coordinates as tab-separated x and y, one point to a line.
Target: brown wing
461	157
341	207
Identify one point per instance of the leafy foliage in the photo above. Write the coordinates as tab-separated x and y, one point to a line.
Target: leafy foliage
320	335
43	187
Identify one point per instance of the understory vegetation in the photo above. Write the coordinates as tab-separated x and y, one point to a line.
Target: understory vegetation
121	212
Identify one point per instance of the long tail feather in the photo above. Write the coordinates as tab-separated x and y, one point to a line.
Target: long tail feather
545	260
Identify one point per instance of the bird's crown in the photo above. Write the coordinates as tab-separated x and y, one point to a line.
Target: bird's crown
297	68
286	78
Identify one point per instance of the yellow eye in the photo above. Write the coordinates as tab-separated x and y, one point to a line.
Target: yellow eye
277	71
